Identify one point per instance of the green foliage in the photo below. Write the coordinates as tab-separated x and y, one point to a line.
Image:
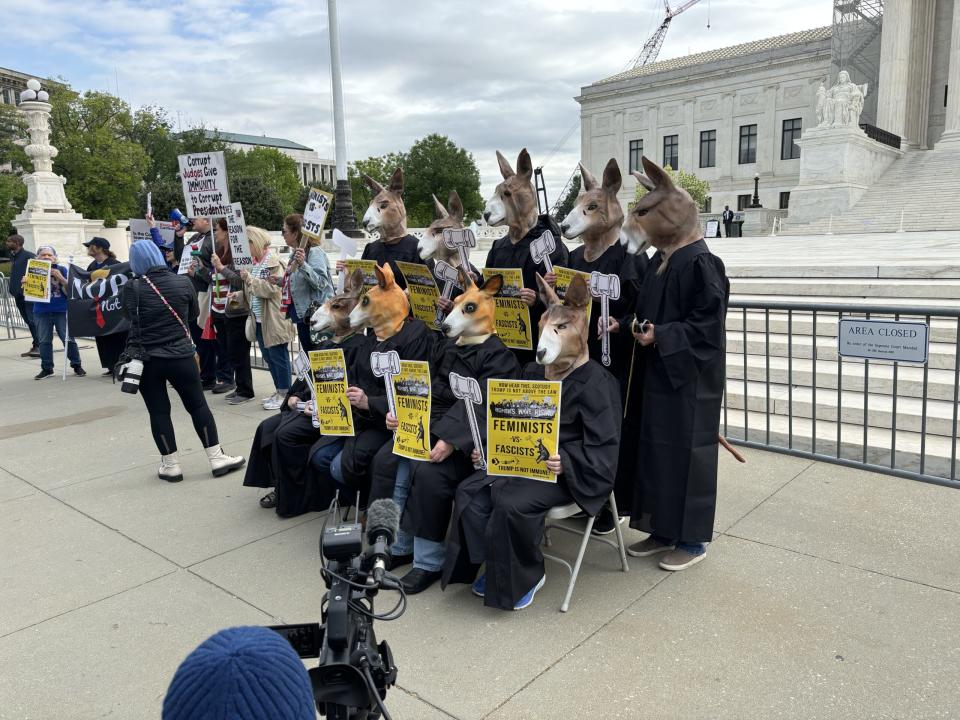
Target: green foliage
380	169
698	189
13	194
436	165
566	203
104	166
276	170
261	203
13	127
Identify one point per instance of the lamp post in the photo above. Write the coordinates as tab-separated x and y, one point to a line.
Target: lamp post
343	218
755	200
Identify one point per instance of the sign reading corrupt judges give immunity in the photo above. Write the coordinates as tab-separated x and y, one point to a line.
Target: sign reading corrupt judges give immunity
204	177
523	427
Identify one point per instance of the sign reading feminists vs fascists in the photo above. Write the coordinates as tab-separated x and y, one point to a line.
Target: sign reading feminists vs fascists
411	390
523	427
512	315
36	287
204	177
315	213
422	289
329	371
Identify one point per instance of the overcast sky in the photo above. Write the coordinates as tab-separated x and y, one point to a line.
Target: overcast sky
497	74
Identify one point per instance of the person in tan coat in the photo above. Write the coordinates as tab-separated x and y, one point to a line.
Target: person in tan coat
265	324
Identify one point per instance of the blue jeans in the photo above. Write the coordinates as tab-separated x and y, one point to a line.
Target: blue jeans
401	491
46	322
278	361
326	462
696	548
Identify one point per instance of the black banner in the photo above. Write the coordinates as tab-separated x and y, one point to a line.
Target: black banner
93	300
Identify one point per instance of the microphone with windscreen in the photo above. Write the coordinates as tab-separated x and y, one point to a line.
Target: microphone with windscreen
383	523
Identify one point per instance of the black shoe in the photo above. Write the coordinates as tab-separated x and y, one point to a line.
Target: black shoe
221	388
399	561
418	580
32	352
79	371
43	374
209	385
605	523
269	500
106	373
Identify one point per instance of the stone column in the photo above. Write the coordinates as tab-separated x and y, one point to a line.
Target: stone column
951	130
894	66
921	66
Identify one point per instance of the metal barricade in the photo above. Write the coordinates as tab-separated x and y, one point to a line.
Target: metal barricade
9	314
788	390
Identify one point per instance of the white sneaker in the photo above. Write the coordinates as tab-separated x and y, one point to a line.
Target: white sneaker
274	403
221	463
267	399
170	468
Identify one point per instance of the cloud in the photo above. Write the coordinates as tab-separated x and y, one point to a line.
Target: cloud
495	75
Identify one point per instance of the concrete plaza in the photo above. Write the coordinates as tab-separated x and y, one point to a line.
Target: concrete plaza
828	593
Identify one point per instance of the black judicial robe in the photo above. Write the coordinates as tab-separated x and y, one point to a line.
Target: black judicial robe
589	441
405	250
505	254
413	342
680	380
427	512
615	260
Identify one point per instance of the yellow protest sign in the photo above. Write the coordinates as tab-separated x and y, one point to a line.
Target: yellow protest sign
564	276
512	316
367	267
329	372
423	292
411	390
37	285
523	427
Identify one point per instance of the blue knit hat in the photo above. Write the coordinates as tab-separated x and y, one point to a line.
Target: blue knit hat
242	673
144	256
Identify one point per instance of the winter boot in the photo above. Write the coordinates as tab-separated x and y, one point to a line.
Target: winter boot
222	464
170	468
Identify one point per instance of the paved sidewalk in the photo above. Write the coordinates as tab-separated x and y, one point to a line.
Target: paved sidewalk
828	593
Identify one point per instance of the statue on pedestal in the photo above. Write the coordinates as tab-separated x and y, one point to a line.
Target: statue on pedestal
841	105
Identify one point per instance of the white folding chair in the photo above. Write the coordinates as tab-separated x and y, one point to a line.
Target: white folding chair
554	522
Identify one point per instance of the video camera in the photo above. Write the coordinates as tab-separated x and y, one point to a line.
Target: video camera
351	679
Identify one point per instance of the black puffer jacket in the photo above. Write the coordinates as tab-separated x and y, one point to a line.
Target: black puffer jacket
159	333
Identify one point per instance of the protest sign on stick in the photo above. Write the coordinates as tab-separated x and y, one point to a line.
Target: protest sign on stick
140	230
204	178
315	213
237	237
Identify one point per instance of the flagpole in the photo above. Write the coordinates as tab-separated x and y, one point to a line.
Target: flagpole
66	332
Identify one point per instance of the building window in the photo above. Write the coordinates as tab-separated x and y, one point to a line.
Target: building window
671	151
636	152
748	144
708	204
708	148
743	201
789	150
784	200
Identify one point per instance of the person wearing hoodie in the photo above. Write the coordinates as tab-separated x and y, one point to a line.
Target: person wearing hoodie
159	305
52	316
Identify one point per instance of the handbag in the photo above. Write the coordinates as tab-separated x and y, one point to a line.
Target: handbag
186	330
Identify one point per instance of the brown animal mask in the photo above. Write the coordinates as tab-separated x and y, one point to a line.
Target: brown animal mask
384	307
666	217
596	216
514	201
386	212
450	217
473	311
563	328
334	315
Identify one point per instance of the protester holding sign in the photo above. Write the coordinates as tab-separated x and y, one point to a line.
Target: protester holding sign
52	315
109	346
230	311
160	305
18	267
307	280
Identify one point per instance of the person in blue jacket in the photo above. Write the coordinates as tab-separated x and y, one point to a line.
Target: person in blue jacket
53	315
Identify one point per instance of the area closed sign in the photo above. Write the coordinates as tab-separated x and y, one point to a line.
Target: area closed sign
883	340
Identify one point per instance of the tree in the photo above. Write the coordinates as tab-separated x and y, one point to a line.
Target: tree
697	188
13	129
435	165
276	170
567	202
13	194
380	169
103	165
261	204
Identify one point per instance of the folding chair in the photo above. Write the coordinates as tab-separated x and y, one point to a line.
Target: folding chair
562	512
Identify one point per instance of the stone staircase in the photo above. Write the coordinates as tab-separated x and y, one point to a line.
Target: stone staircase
787	385
922	185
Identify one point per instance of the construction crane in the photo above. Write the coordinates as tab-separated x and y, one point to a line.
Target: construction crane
651	48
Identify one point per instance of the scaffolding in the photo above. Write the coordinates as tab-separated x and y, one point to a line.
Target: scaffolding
857	25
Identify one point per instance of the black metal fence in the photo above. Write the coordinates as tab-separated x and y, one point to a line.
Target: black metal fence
788	389
9	315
